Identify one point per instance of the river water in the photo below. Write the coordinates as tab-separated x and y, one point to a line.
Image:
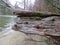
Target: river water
6	22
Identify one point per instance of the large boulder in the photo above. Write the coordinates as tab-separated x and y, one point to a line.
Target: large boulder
49	25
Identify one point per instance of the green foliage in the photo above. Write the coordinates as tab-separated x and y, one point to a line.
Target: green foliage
39	12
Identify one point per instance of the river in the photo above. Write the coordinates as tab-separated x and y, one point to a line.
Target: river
6	22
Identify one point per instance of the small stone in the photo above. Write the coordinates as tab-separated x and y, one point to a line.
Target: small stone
53	19
26	23
37	26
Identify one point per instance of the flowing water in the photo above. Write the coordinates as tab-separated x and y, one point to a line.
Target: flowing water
6	22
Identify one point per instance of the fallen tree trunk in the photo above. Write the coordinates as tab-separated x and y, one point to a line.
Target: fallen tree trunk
34	14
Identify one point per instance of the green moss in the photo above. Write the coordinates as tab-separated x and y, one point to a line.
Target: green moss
39	12
37	18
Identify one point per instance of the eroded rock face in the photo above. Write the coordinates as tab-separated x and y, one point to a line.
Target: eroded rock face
49	25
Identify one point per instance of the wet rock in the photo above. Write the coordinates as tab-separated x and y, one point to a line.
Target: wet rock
37	26
43	27
49	23
49	18
53	20
48	26
19	23
57	27
16	27
25	22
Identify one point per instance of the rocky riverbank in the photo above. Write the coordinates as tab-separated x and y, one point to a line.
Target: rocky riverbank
49	26
28	32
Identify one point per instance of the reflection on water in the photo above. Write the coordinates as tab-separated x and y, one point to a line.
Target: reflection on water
6	21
